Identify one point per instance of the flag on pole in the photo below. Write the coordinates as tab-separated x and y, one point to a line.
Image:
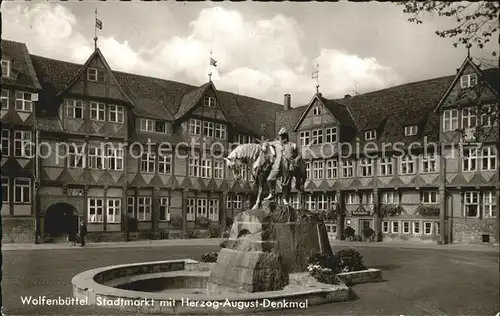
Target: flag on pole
98	23
213	62
315	74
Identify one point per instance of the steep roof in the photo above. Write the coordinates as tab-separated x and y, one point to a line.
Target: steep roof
22	71
339	110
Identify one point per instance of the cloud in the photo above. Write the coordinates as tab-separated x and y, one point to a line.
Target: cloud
262	58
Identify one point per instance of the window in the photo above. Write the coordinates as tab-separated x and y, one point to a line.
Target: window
74	109
467	81
243	139
428	228
131	206
310	202
95	210
5	68
470	159
220	131
210	102
416	228
237	202
489	159
24	101
407	165
218	169
213	210
148	162
331	229
76	156
370	135
411	130
347	169
116	113
385	227
308	170
164	209
331	169
469	117
365	167
143	209
395	227
160	127
5	142
295	200
165	164
351	198
97	111
5	190
428	163
488	115
318	169
191	208
114	211
489	204
194	167
391	197
406	227
471	204
367	199
23	144
322	200
437	228
202	208
147	125
115	159
385	166
94	74
429	197
331	135
206	168
5	99
96	159
208	129
305	138
317	136
450	120
316	110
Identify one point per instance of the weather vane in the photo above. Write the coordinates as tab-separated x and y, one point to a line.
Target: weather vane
315	75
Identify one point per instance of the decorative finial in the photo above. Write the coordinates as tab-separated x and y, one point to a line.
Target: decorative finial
469	45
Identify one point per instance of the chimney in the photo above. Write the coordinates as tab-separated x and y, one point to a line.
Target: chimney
347	96
288	102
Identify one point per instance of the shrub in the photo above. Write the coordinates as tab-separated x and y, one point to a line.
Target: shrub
229	222
210	257
176	222
202	221
214	232
323	268
350	260
349	232
368	232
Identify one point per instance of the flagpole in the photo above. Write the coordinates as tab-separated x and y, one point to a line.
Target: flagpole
210	69
95	30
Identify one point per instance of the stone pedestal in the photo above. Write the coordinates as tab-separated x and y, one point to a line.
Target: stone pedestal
265	246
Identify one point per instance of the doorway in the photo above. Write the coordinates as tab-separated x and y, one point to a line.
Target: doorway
61	221
365	225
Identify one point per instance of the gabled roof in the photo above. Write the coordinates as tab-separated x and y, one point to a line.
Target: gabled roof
96	53
21	66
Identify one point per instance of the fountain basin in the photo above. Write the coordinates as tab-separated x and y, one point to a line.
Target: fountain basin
178	287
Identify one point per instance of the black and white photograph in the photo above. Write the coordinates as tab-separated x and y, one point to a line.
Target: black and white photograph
250	158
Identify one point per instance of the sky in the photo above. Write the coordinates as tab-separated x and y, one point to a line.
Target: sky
263	50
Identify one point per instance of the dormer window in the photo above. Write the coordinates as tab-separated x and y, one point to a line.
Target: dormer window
160	127
94	74
5	68
147	125
210	102
316	110
411	130
370	135
467	81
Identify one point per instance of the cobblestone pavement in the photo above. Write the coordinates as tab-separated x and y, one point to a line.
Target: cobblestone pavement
417	281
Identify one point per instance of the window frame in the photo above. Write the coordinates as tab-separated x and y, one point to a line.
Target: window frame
96	109
114	205
71	108
7	140
148	162
26	104
165	204
370	135
142	201
386	163
96	207
6	64
5	99
450	120
116	114
468	200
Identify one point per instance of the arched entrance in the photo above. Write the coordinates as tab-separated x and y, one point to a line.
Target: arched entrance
61	220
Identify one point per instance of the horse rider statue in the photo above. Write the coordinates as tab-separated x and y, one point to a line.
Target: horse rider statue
288	158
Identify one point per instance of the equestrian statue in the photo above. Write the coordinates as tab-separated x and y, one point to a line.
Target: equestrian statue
269	162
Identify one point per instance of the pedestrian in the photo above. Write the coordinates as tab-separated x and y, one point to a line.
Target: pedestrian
83	232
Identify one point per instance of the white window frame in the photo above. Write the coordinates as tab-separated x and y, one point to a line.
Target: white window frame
429	163
318	169
450	120
23	144
195	127
208	129
158	124
437	229
489	158
147	125
411	130
194	166
470	159
406	230
366	167
76	156
385	227
316	110
367	199
116	113
210	102
131	206
6	67
394	227
429	197
308	170
96	157
201	208
220	131
331	169
427	225
406	163
97	111
165	163
95	210
238	202
144	208
213	210
114	210
148	162
468	81
165	204
469	118
472	198
489	204
317	137
206	168
489	115
5	99
190	209
386	166
416	229
114	159
24	185
6	142
311	202
371	135
351	198
305	138
347	168
24	101
322	200
74	109
5	190
390	198
218	169
95	75
331	135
